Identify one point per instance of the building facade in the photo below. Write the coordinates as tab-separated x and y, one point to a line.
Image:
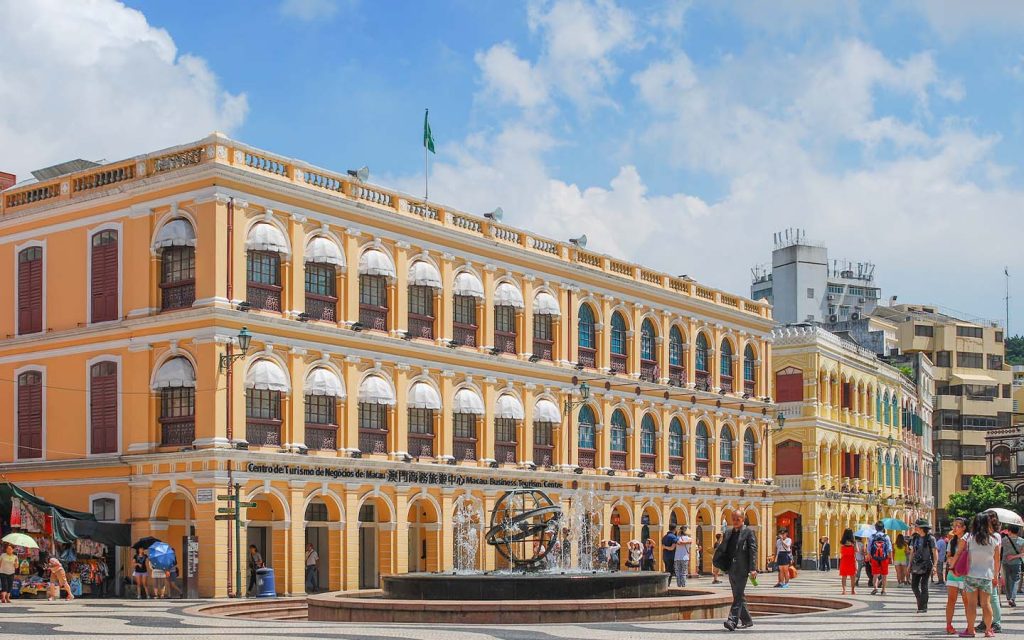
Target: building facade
854	443
1006	459
406	361
803	285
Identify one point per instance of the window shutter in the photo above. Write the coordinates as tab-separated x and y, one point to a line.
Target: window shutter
30	291
30	416
104	277
103	409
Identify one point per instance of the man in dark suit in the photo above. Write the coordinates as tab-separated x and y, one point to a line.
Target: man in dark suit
737	556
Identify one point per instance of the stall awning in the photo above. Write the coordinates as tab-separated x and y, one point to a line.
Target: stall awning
68	524
321	250
467	284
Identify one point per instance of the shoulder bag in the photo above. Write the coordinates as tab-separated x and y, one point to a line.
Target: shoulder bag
963	564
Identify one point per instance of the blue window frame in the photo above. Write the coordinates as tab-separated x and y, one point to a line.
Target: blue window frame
748	447
618	431
748	364
587	334
725	359
725	445
702	352
675	439
675	347
618	334
647	341
647	435
702	441
586	428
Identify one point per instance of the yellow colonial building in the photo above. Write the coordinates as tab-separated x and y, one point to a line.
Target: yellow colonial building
401	360
855	441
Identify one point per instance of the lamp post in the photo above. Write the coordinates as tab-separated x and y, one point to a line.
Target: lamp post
227	361
569	406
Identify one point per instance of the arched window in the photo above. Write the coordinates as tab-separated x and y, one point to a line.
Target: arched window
104	276
375	270
587	422
1001	461
725	452
725	365
468	289
30	290
897	473
545	417
675	446
545	310
676	368
648	449
648	353
508	413
265	382
888	470
424	280
30	415
587	337
466	411
619	343
703	379
264	247
176	382
376	398
749	454
323	389
789	385
617	440
423	403
176	242
749	370
508	300
323	258
701	446
103	417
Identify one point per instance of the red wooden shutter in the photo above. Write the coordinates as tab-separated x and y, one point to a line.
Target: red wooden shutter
104	276
789	458
103	408
30	291
30	415
789	385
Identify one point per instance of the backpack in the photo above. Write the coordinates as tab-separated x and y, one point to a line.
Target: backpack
877	548
922	560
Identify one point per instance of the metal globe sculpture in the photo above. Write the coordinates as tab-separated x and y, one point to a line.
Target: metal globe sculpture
524	527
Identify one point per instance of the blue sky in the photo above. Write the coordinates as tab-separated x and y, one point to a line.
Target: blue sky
892	132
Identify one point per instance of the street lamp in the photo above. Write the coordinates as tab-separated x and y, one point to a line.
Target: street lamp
584	388
244	338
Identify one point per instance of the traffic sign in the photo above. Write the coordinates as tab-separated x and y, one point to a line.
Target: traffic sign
247	505
225	497
231	517
228	510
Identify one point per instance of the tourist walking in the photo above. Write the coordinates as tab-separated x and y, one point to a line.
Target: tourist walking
58	581
649	555
982	547
880	555
668	549
140	574
941	546
1012	562
783	557
954	583
862	561
899	560
924	558
681	557
312	569
848	560
714	569
825	555
737	557
255	561
997	610
8	567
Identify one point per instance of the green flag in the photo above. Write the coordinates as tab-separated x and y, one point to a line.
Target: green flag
428	138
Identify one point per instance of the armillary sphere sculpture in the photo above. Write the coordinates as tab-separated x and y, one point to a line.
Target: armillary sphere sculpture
524	527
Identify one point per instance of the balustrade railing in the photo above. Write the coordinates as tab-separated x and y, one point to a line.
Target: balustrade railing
321	438
505	452
103	178
702	381
465	335
748	471
618	363
260	433
321	307
748	387
178	160
421	445
373	441
676	376
543	349
177	433
726	469
588	357
263	296
650	371
727	383
543	455
465	448
421	326
618	460
586	458
179	295
675	464
647	462
702	468
505	341
373	317
29	196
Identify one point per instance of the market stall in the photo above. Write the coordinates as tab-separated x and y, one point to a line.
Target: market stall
85	547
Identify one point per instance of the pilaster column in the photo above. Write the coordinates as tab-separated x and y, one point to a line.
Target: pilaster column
401	410
295	286
350	296
526	428
400	322
446	306
349	436
527	315
296	552
401	560
297	407
487	321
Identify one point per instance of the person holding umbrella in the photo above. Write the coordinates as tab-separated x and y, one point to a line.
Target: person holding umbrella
8	566
161	559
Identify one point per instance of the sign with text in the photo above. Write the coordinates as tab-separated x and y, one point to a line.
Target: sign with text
204	496
400	476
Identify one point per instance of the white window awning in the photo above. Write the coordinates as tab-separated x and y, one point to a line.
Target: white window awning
508	406
264	236
467	284
267	375
508	295
423	396
545	304
966	378
376	390
546	411
321	250
375	262
176	372
176	233
324	382
424	274
468	401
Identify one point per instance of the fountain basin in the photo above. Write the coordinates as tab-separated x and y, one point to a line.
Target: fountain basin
529	586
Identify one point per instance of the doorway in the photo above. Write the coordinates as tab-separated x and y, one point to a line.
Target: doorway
369	570
317	535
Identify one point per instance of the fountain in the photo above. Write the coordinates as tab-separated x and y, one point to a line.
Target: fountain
466	524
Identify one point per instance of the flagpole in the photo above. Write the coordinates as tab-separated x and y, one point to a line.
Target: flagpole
1006	272
426	175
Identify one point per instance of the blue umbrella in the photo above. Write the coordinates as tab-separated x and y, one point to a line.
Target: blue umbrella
161	556
866	531
895	524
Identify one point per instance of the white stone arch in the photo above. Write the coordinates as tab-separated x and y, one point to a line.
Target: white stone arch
620	308
264	354
273	491
475	501
467	267
376	493
325	495
626	411
166	491
621	502
595	306
424	496
655	322
269	217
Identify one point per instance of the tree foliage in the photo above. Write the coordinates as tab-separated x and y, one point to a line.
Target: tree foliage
1015	350
985	493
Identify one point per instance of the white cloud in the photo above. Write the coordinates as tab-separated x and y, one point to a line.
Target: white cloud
309	10
509	78
93	79
953	19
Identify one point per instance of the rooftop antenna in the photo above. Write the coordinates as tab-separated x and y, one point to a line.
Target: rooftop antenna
1006	272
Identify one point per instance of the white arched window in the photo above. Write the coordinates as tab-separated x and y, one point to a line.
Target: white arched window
467	408
507	415
265	382
323	261
175	381
468	291
323	390
545	310
176	244
265	246
375	270
546	417
376	397
424	280
507	301
423	403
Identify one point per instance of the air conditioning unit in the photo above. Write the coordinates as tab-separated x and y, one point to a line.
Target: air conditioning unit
831	296
863	300
855	316
833	318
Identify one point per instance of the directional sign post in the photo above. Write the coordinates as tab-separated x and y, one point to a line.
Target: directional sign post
224	517
247	505
225	497
227	510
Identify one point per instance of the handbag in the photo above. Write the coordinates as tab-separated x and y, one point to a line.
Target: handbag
963	563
